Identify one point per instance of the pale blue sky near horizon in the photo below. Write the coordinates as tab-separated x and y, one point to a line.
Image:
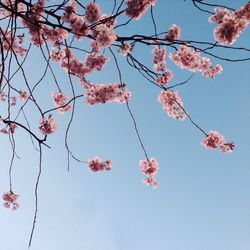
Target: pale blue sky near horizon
202	202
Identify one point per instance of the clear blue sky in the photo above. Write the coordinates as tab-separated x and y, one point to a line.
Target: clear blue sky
203	199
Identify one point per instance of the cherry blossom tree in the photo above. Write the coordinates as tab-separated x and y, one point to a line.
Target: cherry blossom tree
60	31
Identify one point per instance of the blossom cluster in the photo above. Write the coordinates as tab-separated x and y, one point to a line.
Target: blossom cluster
159	65
150	168
137	8
94	61
10	200
54	35
102	93
92	12
69	62
172	104
12	99
31	21
165	77
108	20
76	67
58	55
159	62
10	128
47	125
38	30
173	33
215	140
190	59
103	35
11	4
2	96
212	71
75	21
10	42
23	95
96	164
59	100
125	49
230	23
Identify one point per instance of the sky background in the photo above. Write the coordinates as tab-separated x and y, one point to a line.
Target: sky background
202	202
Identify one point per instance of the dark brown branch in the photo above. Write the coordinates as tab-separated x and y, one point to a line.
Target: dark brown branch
129	109
42	141
36	194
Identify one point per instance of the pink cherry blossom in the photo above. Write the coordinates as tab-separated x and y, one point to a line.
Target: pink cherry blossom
102	93
150	168
54	35
76	22
60	100
4	131
20	38
57	56
244	11
187	58
230	23
94	61
69	11
125	49
212	71
2	96
76	67
47	125
23	95
12	127
92	12
137	8
150	181
164	78
215	140
10	44
96	164
108	20
220	15
173	33
84	83
190	59
73	65
35	14
13	101
227	32
11	4
69	62
10	200
227	147
104	35
95	46
159	59
79	27
172	104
